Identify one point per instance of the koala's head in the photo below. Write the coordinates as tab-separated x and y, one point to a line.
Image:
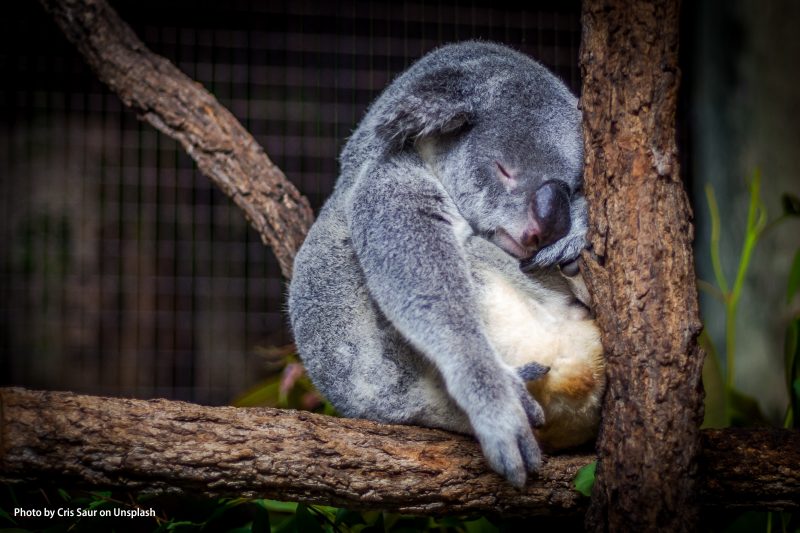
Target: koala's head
502	134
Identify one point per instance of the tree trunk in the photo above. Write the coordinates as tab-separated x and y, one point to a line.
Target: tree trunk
640	269
162	446
180	107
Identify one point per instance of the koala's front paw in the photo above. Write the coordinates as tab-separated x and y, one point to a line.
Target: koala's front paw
506	437
561	252
568	248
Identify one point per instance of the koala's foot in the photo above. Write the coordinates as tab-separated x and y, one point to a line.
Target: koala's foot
506	435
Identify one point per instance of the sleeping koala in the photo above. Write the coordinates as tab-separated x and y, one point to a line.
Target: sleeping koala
408	303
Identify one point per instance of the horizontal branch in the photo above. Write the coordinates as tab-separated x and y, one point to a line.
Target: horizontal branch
160	446
182	109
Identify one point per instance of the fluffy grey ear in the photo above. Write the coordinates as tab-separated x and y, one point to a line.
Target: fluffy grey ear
433	104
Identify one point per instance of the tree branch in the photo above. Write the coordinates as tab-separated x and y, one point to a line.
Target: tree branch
180	107
160	445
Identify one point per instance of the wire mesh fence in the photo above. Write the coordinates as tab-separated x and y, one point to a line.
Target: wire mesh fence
124	271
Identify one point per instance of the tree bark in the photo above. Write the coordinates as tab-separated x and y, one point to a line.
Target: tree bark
180	107
640	269
164	446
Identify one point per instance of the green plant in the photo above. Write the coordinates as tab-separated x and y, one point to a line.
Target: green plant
725	405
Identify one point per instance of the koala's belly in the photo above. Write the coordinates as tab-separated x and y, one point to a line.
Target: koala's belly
523	328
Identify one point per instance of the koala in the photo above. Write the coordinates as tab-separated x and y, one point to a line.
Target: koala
409	303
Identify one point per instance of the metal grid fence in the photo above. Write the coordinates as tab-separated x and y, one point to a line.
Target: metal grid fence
124	272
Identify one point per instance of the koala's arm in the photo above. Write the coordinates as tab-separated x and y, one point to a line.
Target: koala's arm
405	233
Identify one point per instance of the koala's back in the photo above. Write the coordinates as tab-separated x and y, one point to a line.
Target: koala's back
352	354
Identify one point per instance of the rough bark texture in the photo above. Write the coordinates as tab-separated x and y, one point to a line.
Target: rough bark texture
181	108
162	445
640	269
159	446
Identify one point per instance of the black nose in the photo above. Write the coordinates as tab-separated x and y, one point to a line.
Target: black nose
550	207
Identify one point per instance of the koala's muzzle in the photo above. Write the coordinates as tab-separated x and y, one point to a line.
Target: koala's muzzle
550	211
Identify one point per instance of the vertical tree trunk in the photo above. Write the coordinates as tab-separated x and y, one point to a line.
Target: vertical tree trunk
640	269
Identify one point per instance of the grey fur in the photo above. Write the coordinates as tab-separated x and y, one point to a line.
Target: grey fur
384	303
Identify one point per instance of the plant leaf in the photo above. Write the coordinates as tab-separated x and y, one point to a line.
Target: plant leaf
278	507
481	525
348	517
261	519
263	394
744	410
794	277
714	385
306	522
5	515
584	479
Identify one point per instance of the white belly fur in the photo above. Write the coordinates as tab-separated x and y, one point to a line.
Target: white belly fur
558	334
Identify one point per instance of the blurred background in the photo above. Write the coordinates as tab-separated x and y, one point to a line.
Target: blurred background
126	273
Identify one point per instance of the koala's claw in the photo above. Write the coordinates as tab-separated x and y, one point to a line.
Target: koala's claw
531	454
571	268
513	458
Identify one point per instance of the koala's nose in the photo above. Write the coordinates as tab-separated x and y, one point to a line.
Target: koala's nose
550	211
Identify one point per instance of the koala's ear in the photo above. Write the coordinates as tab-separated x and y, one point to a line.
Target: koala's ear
433	104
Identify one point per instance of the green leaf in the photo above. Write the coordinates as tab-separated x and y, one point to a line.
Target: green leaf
397	523
791	204
449	522
306	522
791	349
714	385
481	525
5	515
263	394
172	526
791	353
744	410
375	527
348	517
223	505
278	507
287	526
261	522
64	495
584	479
794	278
713	209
